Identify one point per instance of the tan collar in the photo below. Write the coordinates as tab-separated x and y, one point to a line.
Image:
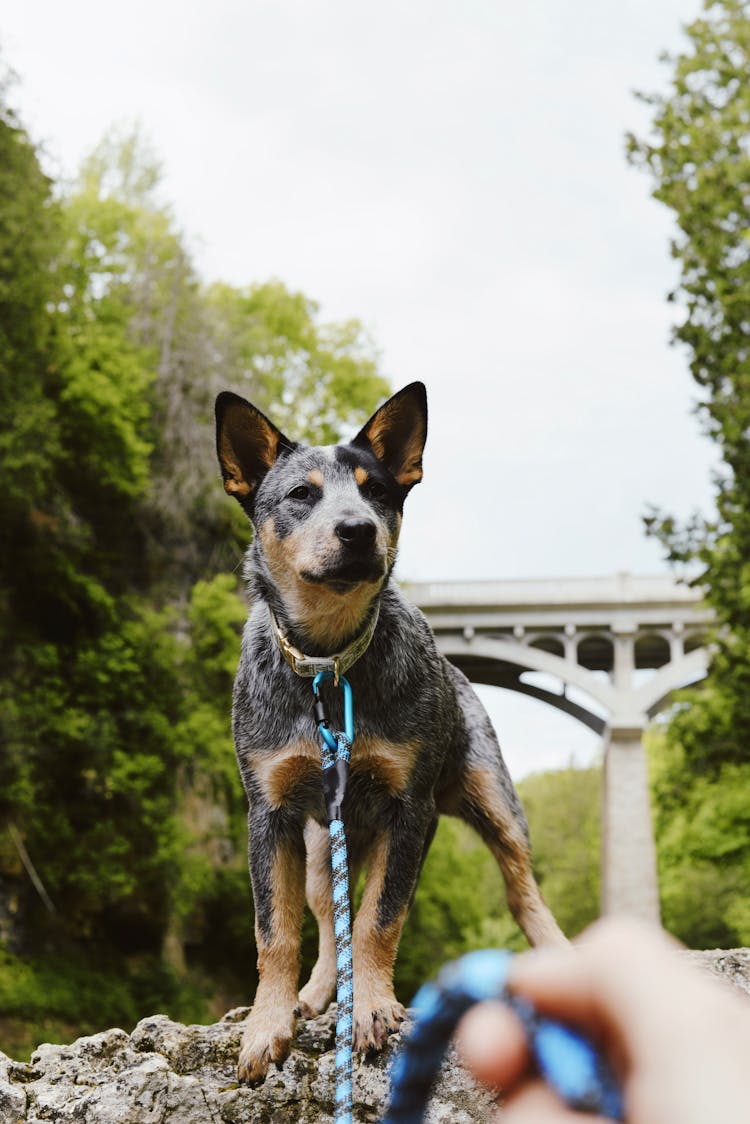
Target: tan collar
339	664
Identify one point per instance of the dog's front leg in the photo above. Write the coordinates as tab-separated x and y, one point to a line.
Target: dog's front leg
393	866
277	870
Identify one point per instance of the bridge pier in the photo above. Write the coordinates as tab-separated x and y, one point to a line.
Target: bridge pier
593	636
629	875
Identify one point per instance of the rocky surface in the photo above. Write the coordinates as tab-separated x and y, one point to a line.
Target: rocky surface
732	965
167	1073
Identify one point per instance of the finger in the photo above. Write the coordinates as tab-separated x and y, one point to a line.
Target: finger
620	982
492	1044
535	1103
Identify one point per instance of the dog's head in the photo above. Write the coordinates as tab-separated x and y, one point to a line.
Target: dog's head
327	518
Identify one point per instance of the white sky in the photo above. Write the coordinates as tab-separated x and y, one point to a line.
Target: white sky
452	172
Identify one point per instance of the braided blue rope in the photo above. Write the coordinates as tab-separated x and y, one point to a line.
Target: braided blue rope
570	1063
335	755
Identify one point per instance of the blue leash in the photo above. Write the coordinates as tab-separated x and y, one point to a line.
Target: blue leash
567	1061
335	752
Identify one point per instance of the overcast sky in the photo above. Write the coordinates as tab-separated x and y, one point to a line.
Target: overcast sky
453	174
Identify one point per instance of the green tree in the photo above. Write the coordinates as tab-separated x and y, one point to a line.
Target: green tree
699	156
132	284
698	153
119	627
702	824
32	512
316	379
129	267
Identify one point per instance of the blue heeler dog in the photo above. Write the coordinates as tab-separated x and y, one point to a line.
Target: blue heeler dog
327	522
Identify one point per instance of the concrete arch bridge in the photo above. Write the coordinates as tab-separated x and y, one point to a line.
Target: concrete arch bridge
609	651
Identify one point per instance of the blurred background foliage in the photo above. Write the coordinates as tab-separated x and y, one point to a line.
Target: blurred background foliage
697	154
122	612
123	881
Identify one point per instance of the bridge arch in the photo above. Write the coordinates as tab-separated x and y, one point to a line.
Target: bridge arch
593	635
652	649
548	643
502	663
596	651
656	693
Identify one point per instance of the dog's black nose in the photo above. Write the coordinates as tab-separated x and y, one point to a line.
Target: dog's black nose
357	533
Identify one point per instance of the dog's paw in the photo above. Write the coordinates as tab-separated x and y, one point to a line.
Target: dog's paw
315	997
374	1021
262	1045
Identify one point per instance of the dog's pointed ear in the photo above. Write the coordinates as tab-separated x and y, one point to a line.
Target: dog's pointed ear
247	443
397	432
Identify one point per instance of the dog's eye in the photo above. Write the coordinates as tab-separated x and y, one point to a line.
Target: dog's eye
301	492
376	490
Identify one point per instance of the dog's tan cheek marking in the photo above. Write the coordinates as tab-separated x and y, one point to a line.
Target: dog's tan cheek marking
268	537
281	772
280	554
326	617
361	475
387	762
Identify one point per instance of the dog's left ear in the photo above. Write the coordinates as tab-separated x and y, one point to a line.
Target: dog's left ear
247	443
397	432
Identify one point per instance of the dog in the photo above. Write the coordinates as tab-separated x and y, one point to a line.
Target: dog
327	522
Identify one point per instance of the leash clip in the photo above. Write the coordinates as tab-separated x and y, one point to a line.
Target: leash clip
337	745
321	715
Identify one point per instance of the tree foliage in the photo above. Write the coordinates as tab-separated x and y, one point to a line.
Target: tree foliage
121	608
702	823
698	154
122	613
316	378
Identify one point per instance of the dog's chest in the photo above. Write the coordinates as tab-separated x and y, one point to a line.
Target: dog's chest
293	772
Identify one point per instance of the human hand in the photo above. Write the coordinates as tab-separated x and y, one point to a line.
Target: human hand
678	1041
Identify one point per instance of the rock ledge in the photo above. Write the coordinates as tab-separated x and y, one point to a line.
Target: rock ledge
167	1073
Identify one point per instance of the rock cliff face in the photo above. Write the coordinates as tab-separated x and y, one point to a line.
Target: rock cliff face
166	1073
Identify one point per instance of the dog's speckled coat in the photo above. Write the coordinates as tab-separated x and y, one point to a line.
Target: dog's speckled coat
327	522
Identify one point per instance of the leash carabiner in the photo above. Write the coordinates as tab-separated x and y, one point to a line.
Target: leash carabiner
321	715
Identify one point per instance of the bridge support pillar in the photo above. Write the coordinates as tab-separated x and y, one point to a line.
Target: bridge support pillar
629	878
